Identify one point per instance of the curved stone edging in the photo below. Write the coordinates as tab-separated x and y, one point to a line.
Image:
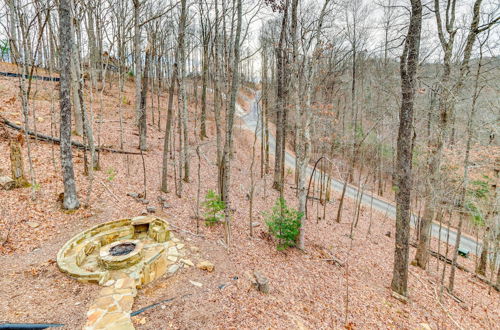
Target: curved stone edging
87	257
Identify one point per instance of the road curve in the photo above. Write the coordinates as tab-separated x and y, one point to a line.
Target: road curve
251	120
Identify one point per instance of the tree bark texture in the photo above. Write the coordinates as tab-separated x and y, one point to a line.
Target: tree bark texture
408	71
70	200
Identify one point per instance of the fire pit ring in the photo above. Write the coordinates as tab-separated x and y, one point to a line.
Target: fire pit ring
122	249
121	254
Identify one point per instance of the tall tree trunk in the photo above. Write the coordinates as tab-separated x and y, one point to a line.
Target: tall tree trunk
182	105
225	172
137	58
436	150
304	124
465	181
408	71
92	40
264	115
170	109
217	95
86	120
76	99
446	105
294	86
281	103
19	57
483	258
142	109
204	81
70	201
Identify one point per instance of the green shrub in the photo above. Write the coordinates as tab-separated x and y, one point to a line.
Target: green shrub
214	206
478	200
284	224
111	172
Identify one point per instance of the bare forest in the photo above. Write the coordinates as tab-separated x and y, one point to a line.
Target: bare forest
311	164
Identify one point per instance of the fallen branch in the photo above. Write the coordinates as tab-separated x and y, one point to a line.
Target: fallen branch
48	138
314	197
222	243
109	190
445	310
5	239
451	295
450	262
337	261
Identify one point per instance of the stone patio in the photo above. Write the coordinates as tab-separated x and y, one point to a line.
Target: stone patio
123	256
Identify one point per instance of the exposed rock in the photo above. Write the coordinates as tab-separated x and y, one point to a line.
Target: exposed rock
248	281
125	283
198	284
143	201
180	246
166	205
262	282
206	265
187	262
388	234
194	249
133	194
151	209
254	280
255	224
7	183
32	224
399	297
162	199
109	283
144	212
172	251
174	268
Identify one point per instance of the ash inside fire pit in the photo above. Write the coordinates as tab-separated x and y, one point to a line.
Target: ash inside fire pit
122	249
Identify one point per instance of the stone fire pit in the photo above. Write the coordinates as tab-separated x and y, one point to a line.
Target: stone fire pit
122	256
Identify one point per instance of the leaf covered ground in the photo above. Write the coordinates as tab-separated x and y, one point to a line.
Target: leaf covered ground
307	289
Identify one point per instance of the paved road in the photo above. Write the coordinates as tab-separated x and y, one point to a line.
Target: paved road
251	121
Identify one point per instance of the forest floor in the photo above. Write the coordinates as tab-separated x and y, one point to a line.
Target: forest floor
307	291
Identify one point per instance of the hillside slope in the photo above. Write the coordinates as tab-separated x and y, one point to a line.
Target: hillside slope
307	290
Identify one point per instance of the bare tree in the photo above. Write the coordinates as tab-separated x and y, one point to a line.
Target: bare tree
140	108
205	36
70	201
447	32
281	99
304	135
465	182
225	168
408	71
170	109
